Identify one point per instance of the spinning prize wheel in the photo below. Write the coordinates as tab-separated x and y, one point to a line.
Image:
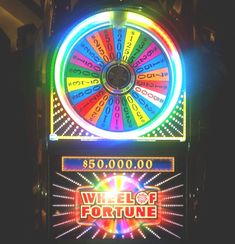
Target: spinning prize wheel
118	75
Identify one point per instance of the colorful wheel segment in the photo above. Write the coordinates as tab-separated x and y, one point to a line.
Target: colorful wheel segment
118	74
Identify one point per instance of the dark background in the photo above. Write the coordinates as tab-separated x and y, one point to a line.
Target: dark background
212	99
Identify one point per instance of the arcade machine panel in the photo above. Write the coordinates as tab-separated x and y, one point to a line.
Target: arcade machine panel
117	137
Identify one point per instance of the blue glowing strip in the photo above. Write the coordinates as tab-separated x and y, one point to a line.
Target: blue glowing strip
122	164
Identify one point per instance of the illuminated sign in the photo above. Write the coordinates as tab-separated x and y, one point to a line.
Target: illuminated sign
100	205
118	75
119	164
117	204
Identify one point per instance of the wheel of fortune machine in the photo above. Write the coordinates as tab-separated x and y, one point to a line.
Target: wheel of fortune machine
117	80
118	75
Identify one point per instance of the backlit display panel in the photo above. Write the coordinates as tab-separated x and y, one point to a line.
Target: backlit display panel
118	75
136	204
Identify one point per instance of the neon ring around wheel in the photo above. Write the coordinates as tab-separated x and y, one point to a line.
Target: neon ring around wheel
118	74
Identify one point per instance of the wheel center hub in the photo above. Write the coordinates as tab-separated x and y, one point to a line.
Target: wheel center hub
118	77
